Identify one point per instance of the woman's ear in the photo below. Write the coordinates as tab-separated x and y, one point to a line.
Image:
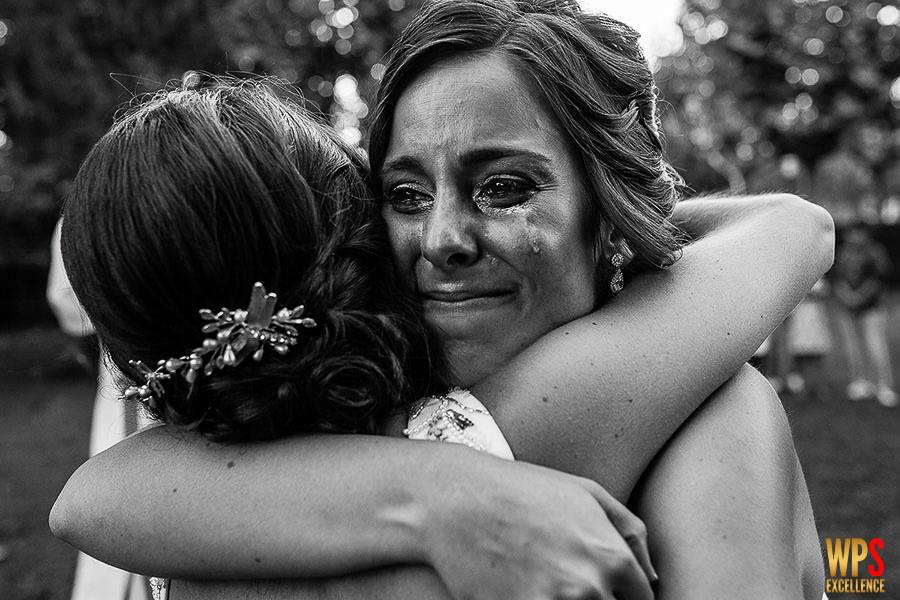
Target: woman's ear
607	243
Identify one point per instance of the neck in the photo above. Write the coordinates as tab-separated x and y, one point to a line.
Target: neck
469	363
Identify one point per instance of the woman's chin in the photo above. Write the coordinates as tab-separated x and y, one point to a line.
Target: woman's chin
478	346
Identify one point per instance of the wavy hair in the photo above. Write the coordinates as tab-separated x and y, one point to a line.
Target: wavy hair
595	79
202	190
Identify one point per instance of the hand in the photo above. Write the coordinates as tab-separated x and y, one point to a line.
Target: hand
500	530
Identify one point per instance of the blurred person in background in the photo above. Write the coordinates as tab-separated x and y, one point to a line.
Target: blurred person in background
792	356
809	342
859	280
68	312
112	420
773	358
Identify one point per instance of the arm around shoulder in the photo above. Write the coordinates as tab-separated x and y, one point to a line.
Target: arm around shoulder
182	507
768	218
168	502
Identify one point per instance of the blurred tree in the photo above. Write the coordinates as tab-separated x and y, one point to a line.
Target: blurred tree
66	67
817	81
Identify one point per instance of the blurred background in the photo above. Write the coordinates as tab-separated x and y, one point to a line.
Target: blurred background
793	95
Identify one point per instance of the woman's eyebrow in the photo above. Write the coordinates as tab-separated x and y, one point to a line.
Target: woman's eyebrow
469	158
402	163
482	155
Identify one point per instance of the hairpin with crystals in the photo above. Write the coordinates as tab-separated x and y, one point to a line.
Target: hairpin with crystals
239	334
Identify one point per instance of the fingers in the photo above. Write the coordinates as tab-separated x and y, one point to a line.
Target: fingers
620	579
636	539
631	528
631	583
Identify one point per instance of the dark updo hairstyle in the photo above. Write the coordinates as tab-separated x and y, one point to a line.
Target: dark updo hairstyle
199	192
593	76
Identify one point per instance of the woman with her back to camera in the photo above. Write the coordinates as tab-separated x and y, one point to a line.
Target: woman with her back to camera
489	172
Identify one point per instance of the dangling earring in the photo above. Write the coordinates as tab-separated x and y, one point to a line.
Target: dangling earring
618	279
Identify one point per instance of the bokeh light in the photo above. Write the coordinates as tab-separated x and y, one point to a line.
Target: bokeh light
834	14
814	46
294	38
888	15
804	101
872	9
895	92
343	17
790	166
810	76
349	109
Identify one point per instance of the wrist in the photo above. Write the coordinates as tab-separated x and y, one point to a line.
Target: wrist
419	504
444	498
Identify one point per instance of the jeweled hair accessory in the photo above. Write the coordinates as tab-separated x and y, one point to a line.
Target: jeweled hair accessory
239	334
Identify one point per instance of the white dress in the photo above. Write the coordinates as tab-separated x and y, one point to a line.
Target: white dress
457	417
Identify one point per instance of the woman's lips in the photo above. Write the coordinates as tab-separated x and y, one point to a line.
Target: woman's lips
461	299
460	295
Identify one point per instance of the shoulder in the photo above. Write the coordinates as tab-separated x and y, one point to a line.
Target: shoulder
742	420
729	484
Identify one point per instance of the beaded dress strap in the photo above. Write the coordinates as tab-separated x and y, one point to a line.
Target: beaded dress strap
159	587
457	417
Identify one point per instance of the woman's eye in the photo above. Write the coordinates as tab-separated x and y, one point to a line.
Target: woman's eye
504	191
407	199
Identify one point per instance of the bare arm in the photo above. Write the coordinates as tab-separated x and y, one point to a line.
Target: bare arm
725	502
667	342
426	505
729	487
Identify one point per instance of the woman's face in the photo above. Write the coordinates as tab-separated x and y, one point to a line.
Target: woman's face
486	212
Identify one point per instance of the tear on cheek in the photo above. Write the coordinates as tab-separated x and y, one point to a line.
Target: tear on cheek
534	238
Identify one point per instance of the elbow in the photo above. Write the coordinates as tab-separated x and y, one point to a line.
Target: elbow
69	517
60	518
822	237
60	521
813	226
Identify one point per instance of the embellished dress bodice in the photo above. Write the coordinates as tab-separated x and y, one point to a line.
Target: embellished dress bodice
457	417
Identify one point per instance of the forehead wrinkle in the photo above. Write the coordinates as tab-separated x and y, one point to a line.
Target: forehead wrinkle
462	107
412	114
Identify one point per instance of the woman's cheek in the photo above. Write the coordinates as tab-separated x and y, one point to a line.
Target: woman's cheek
513	238
545	239
561	264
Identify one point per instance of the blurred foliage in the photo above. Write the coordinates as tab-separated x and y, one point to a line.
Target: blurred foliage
800	95
65	67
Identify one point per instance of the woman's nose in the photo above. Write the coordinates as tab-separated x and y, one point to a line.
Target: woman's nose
449	235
